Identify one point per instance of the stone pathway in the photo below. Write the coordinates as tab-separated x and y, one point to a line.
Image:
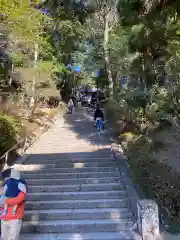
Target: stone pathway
75	189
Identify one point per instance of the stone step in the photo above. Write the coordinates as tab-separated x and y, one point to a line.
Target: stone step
98	153
123	235
67	160
45	181
75	164
69	150
65	214
77	204
75	195
70	175
77	226
69	170
78	187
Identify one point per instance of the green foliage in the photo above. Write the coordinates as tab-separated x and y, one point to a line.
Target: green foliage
67	41
161	103
125	7
145	47
22	19
23	26
150	33
9	128
19	59
122	117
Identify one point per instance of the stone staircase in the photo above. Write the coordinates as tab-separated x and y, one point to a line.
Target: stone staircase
74	192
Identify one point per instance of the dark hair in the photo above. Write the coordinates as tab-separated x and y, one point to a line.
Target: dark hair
6	173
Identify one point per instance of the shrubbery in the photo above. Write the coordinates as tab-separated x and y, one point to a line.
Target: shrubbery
156	178
9	128
143	110
120	117
136	115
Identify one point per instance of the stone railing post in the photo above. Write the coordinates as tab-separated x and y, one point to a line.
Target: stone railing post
148	219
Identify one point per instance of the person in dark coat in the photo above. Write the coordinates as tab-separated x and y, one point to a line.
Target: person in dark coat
99	117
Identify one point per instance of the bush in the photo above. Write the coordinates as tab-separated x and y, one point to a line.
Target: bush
161	104
116	111
9	128
121	117
155	178
113	111
128	136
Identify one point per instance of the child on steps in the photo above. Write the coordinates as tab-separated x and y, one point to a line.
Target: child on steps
3	197
15	193
11	189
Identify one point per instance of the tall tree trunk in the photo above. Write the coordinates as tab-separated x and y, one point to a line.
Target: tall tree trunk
33	88
115	84
106	56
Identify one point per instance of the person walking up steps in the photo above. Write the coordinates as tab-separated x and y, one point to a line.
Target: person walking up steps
70	105
99	118
15	191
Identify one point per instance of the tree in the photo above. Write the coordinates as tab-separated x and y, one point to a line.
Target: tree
145	47
26	41
22	25
150	34
101	23
161	4
67	38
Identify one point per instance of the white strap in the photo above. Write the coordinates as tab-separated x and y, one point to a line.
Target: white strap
22	187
